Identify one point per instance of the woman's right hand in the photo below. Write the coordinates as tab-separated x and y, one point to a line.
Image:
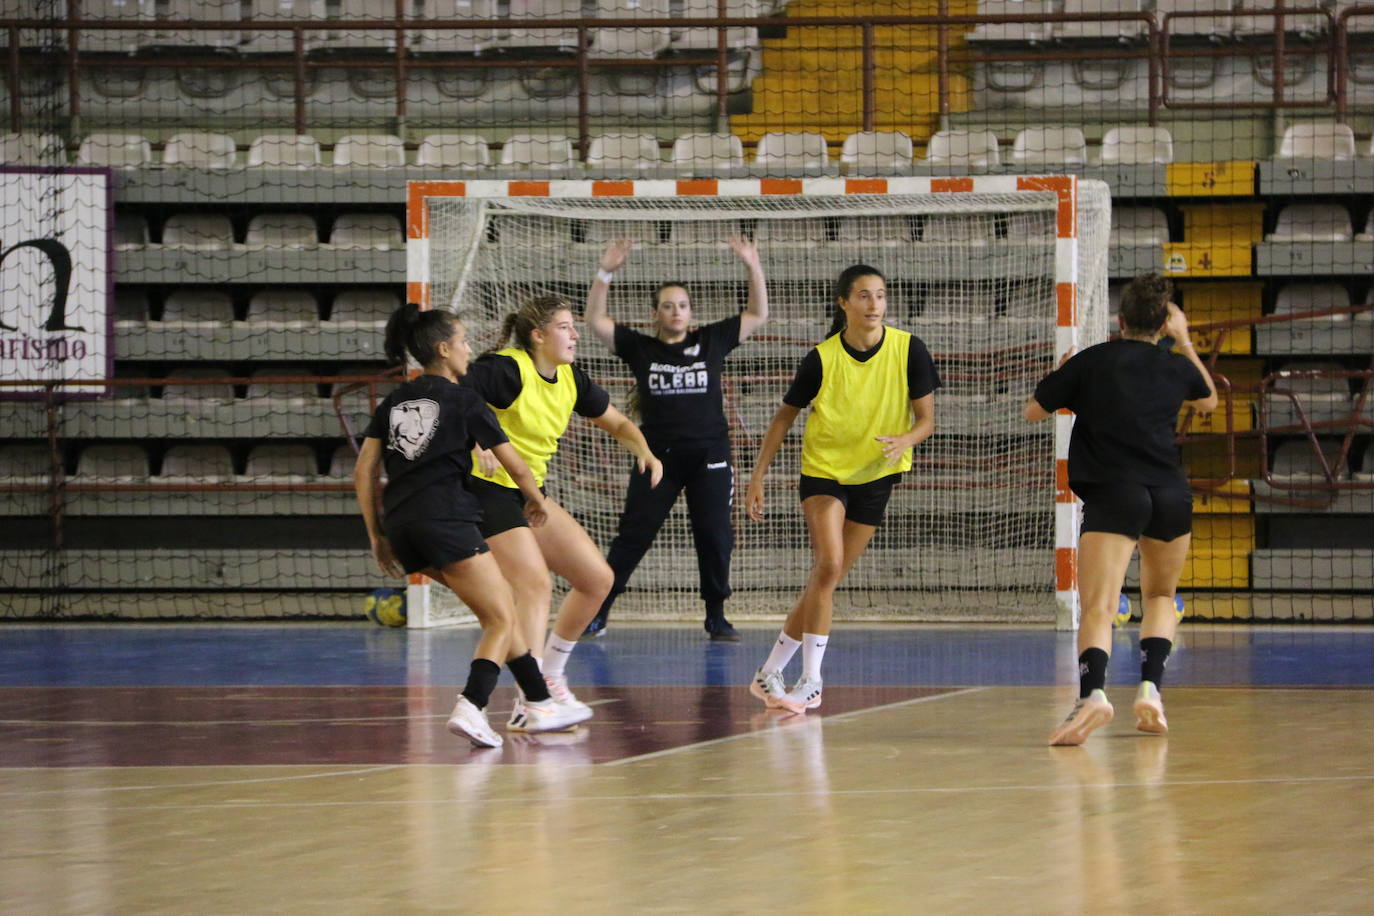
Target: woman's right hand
535	513
753	500
386	560
1176	326
616	253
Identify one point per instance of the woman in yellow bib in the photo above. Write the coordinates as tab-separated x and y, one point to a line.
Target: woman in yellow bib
534	389
871	389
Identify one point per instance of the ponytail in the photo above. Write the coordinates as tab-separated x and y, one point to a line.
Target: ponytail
522	323
419	333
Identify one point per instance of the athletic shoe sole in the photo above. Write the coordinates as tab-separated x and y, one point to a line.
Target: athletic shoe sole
771	702
1075	732
476	736
1149	718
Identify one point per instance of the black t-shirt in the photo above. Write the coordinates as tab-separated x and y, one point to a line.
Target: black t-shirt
427	427
1126	395
921	377
680	397
497	379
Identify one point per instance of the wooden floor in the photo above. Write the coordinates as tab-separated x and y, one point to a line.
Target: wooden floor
1261	800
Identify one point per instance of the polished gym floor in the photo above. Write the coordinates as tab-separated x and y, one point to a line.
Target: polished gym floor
305	768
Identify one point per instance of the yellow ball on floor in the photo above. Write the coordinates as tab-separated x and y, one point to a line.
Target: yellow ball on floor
386	607
1123	612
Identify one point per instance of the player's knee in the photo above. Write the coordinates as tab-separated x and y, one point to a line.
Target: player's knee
827	570
597	582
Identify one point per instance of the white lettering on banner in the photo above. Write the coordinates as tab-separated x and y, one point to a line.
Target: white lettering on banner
54	277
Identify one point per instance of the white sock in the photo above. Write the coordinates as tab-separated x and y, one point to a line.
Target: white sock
556	652
782	653
813	650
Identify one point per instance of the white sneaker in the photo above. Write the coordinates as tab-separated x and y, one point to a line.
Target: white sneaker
768	686
1088	714
558	689
519	716
470	722
1149	710
804	695
549	716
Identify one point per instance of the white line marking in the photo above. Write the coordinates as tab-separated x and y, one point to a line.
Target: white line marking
164	787
824	718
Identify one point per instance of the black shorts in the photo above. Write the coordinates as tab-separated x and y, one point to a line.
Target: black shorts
1136	509
503	508
434	543
864	503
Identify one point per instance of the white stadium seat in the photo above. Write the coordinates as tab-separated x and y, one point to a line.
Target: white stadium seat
453	151
369	151
875	149
198	232
281	41
363	306
283	307
1137	146
1050	146
295	231
1030	32
1139	226
624	152
200	11
288	461
125	151
1317	140
1296	298
543	152
200	150
706	152
200	463
968	148
177	390
1312	223
198	307
284	151
377	231
123	461
792	151
32	149
456	41
643	42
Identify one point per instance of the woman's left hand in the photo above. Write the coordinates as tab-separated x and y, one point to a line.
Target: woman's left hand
653	467
894	447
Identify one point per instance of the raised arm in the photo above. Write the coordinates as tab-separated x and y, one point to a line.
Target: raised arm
624	431
756	310
597	317
1176	326
367	486
782	421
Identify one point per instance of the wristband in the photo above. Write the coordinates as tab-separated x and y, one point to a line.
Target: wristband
1186	345
605	276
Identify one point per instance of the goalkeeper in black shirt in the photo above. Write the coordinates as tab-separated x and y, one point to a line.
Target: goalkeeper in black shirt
678	379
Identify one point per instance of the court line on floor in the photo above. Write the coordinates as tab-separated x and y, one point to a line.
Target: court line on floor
754	734
163	787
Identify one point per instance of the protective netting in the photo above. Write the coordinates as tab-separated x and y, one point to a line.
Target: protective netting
969	533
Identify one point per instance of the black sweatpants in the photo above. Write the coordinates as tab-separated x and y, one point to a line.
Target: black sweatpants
706	473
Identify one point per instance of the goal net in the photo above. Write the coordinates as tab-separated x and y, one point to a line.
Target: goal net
997	275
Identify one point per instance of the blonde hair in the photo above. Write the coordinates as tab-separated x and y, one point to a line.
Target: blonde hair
534	314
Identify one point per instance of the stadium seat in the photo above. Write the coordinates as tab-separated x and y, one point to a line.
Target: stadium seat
956	228
624	152
125	151
32	149
453	151
262	41
284	151
384	39
123	41
1139	226
131	307
1317	140
1215	27
1022	227
1368	234
1137	146
641	232
1306	24
1297	459
369	151
1029	32
705	153
537	232
958	301
377	231
198	307
971	148
875	149
637	43
1320	394
122	461
131	231
541	152
456	41
792	152
200	150
1122	30
200	11
363	306
289	461
295	231
1312	223
342	462
737	38
198	463
807	232
24	463
1296	298
282	392
176	388
560	39
283	307
198	232
887	231
1050	146
704	233
36	38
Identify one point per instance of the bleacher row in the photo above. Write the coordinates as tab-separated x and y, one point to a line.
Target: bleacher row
696	152
1223	19
607	43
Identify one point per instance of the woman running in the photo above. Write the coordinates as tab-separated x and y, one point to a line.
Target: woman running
1125	466
534	389
678	383
871	389
425	519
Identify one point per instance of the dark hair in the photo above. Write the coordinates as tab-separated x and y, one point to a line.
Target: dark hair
843	286
1145	303
535	313
653	302
419	332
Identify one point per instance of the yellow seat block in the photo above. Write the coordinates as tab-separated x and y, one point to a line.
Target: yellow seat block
1223	222
1211	179
1207	259
1207	302
1219	556
1231	498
